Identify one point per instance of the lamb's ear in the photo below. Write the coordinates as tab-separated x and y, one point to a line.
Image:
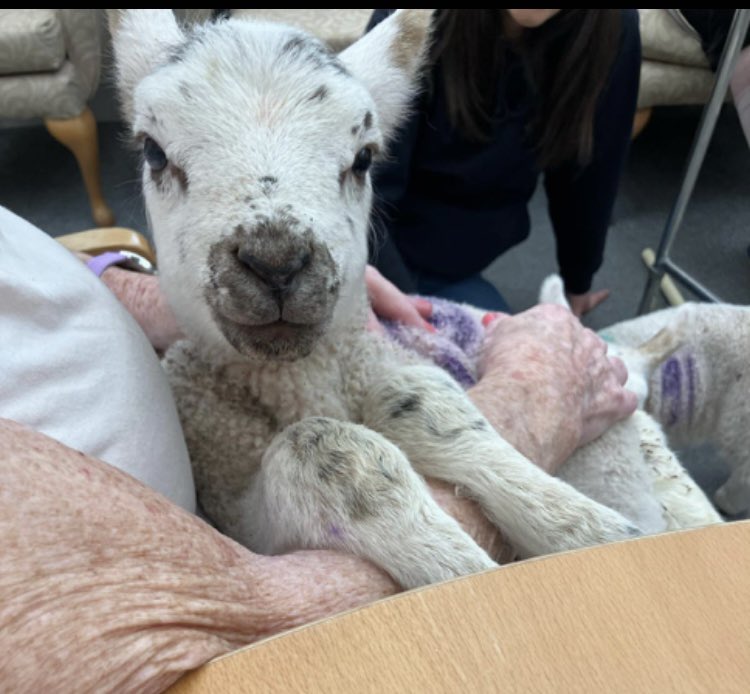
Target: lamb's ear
142	41
388	61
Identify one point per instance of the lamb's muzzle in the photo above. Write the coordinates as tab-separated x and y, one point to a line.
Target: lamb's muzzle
271	290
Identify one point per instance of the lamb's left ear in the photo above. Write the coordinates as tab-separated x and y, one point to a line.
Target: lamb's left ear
388	61
142	40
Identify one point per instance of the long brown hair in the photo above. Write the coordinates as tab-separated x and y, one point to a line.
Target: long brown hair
567	61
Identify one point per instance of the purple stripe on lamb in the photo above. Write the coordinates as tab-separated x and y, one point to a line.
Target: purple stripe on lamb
671	391
692	374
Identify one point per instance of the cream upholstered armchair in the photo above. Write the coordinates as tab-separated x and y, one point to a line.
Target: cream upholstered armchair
674	69
338	28
49	68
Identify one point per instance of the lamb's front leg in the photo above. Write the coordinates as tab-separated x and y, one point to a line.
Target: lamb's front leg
325	483
423	411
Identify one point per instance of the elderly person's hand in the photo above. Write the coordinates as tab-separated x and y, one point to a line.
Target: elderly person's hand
547	384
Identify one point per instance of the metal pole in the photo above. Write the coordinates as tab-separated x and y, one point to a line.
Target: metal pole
692	284
709	117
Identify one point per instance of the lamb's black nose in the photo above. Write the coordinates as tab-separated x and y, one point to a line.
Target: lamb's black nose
277	275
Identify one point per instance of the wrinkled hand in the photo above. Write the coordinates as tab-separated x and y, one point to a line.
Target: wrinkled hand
583	303
390	303
556	379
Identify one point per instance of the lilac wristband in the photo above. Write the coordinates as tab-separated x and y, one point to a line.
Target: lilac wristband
99	263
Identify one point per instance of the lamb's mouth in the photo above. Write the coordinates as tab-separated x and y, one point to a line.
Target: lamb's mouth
280	338
278	328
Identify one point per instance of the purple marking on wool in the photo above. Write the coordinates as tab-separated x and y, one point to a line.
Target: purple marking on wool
691	373
453	324
671	389
452	364
460	326
438	318
336	532
393	329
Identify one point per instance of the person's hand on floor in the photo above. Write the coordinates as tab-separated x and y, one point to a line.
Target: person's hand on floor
581	304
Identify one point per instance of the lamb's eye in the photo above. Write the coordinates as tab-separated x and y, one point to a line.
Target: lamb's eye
154	155
362	161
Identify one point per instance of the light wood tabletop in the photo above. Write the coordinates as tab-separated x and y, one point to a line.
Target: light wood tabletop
669	613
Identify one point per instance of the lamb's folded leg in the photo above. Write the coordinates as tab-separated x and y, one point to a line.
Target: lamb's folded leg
683	502
612	470
423	411
329	484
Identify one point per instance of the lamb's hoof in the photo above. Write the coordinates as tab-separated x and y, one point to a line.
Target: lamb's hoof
588	530
632	531
611	527
459	560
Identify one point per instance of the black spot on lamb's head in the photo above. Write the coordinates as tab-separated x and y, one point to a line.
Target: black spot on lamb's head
258	144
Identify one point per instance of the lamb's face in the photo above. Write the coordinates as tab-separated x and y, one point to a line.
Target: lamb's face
257	148
257	151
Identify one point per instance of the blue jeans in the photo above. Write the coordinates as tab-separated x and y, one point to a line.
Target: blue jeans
473	290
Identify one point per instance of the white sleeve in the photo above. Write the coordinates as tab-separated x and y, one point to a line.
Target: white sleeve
75	365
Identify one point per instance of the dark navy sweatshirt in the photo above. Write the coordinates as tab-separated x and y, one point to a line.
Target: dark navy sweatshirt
450	207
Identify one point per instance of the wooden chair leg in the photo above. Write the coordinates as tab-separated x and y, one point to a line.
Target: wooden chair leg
642	117
668	287
79	135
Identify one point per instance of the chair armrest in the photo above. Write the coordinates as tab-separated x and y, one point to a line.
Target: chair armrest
95	241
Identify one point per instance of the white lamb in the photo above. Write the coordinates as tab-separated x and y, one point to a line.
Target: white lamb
690	367
304	431
701	393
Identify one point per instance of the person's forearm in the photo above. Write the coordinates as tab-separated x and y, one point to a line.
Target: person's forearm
124	591
142	297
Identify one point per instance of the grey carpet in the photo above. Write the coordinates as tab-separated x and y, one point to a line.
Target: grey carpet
39	180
